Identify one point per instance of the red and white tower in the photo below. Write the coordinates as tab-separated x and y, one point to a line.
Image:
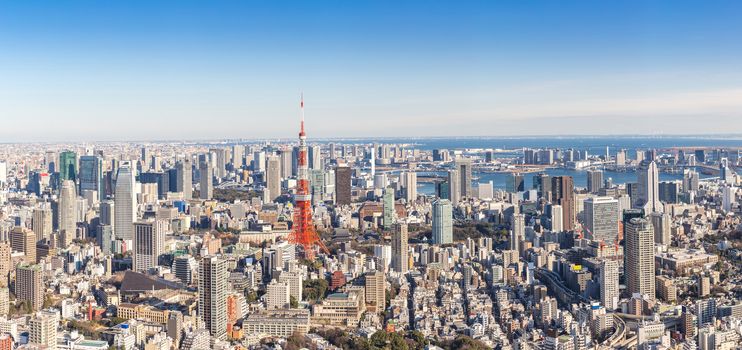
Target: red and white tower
303	233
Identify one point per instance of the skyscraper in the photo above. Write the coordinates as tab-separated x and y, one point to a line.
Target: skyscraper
184	177
388	208
661	227
515	183
184	268
609	284
454	186
648	180
442	222
286	165
343	185
212	295
273	178
105	238
67	214
517	231
107	213
562	193
639	257
690	180
42	221
5	263
91	175
728	197
463	166
124	204
668	191
594	180
557	217
149	243
315	157
68	166
238	156
542	182
317	185
3	172
206	188
24	240
258	163
601	219
220	163
400	260
376	290
278	295
29	286
409	181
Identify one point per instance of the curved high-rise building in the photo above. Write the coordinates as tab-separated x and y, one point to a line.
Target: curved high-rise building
67	214
124	204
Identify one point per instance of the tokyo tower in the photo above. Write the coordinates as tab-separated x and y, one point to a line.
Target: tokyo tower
303	233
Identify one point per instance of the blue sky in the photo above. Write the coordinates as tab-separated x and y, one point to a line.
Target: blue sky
146	70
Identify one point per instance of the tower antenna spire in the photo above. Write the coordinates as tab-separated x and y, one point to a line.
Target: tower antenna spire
302	115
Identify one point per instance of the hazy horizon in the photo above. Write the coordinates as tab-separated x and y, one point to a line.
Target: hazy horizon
720	137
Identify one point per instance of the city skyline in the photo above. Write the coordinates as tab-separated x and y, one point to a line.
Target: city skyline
156	71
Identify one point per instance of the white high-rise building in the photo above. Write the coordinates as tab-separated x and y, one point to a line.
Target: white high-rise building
184	178
517	231
43	329
278	295
314	157
259	161
383	253
149	243
238	156
728	197
67	212
400	260
661	226
212	295
42	221
125	202
648	181
557	218
442	222
690	180
609	293
380	181
295	281
639	257
601	218
3	172
485	190
409	182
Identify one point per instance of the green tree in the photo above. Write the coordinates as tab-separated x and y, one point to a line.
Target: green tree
397	341
418	338
466	343
379	339
251	296
314	290
293	303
